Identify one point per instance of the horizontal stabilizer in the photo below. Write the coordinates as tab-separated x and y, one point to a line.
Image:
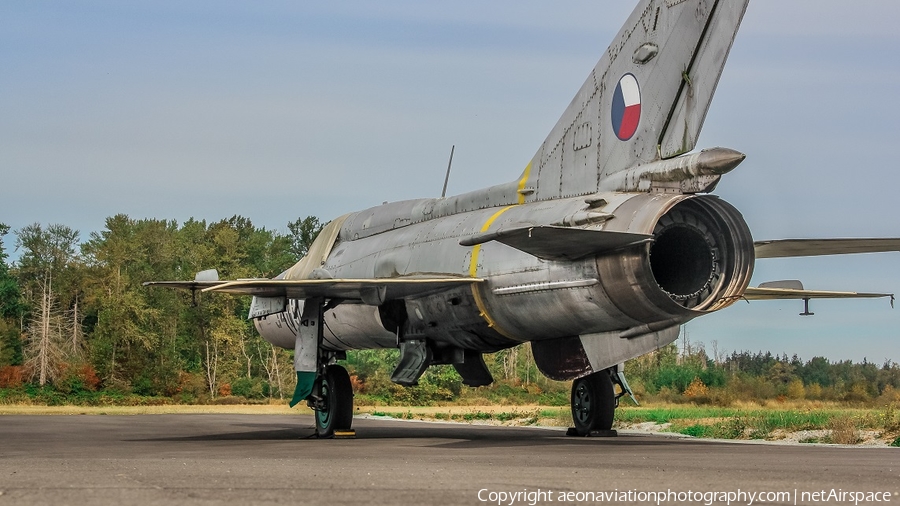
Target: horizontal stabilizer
185	285
559	243
815	247
772	292
368	291
202	280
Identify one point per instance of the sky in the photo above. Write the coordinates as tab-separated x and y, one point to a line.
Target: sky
279	110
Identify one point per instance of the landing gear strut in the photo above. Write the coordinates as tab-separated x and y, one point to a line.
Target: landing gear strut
334	402
593	404
324	384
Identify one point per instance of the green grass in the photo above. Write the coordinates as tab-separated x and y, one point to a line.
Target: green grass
796	420
672	414
763	423
696	421
763	418
526	417
733	428
48	396
698	431
751	422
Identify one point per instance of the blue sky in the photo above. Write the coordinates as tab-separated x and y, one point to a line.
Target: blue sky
280	110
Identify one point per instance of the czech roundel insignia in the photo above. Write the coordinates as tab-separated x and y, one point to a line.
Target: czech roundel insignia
626	107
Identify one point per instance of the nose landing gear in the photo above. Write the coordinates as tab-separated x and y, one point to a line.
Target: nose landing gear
332	400
324	384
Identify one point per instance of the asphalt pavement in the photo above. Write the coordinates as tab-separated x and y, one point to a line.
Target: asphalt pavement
271	459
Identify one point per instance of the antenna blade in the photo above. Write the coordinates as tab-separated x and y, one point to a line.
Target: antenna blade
447	177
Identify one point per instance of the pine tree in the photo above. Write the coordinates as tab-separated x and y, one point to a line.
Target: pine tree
11	310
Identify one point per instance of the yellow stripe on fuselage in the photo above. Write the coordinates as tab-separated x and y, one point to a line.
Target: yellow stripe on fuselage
473	270
522	182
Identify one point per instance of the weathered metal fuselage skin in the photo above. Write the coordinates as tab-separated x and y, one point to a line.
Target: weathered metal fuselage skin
524	298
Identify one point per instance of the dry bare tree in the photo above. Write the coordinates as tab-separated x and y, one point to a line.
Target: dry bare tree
45	352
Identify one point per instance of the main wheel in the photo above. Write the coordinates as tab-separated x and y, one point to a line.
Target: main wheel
593	403
337	397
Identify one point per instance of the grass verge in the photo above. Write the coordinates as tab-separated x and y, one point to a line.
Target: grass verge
822	424
170	409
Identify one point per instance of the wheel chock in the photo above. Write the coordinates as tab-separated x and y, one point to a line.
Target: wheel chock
593	433
345	434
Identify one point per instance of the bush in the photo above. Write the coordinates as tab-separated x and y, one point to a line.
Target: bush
78	379
12	376
249	388
795	389
857	393
736	428
224	390
444	378
697	392
721	397
675	378
191	385
142	385
843	430
889	419
888	396
750	388
814	392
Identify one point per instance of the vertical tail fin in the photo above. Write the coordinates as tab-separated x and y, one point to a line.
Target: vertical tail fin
646	99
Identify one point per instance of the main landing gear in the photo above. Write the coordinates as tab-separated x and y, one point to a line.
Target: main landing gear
332	399
593	404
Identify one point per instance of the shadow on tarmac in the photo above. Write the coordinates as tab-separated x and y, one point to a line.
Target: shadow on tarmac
443	435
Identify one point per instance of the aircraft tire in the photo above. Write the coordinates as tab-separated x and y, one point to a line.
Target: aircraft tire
337	393
593	403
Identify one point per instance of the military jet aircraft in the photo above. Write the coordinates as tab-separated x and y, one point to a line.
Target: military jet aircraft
606	243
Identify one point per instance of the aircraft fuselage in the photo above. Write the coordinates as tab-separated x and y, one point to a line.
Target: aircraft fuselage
525	297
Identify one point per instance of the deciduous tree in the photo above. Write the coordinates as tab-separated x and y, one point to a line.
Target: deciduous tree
303	232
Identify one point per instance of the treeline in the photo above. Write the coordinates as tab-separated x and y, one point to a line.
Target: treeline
75	319
76	325
686	373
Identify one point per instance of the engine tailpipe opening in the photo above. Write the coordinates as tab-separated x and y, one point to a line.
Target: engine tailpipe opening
702	251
